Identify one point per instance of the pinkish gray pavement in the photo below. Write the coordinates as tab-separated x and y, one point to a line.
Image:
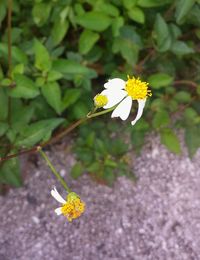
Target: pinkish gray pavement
156	218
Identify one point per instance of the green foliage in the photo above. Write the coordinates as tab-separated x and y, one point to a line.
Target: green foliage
62	53
103	157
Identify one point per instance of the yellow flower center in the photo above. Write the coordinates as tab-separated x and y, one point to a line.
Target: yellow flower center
74	207
137	89
100	100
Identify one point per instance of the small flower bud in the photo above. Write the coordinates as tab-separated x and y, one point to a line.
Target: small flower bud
100	100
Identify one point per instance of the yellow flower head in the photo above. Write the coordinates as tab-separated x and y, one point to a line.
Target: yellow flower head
137	89
74	207
100	100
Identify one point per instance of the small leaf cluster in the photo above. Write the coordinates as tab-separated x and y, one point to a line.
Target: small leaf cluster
62	53
102	152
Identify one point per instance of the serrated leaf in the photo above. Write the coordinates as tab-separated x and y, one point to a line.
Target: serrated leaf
73	68
108	9
2	10
59	30
70	97
3	128
52	93
182	96
25	88
162	34
182	9
42	57
53	76
92	20
117	23
128	50
192	139
77	170
87	41
170	140
21	115
109	176
152	3
35	132
181	48
4	104
41	13
159	80
160	119
10	173
137	15
129	3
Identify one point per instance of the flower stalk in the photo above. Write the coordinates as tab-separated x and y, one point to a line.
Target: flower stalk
56	174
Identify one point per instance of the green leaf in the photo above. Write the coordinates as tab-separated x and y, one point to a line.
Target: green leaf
181	48
192	139
137	15
92	20
108	9
25	88
160	80
52	93
182	9
170	140
42	58
19	56
3	128
53	75
59	30
128	50
2	10
117	23
87	41
162	34
70	67
35	132
21	115
93	167
10	173
41	12
4	104
183	97
77	170
160	119
70	97
152	3
109	176
80	110
129	3
18	69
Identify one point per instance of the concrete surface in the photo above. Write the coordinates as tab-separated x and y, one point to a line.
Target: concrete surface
156	218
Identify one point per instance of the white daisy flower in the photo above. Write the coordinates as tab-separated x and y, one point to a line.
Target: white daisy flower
118	91
71	208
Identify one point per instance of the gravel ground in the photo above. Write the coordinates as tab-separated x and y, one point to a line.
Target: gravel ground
156	218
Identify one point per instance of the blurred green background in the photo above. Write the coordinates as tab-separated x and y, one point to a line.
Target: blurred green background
61	54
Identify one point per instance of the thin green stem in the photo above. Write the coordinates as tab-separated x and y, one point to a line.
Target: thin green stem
9	30
57	137
56	174
101	112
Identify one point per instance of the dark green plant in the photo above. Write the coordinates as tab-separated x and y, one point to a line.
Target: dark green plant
56	50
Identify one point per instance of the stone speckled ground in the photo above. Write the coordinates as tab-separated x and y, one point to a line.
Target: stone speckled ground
156	218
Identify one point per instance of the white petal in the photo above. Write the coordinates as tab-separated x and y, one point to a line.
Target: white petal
58	211
114	96
141	104
115	84
57	196
123	109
